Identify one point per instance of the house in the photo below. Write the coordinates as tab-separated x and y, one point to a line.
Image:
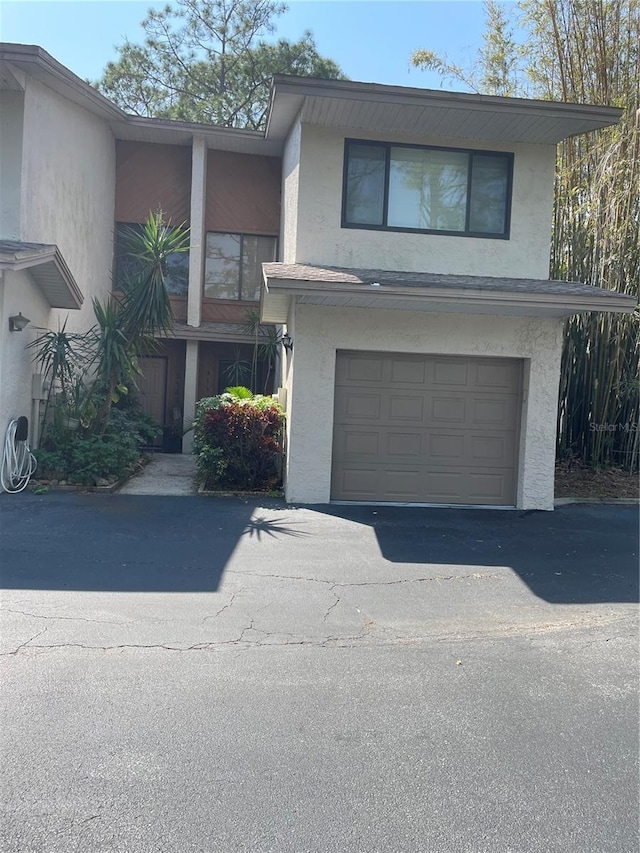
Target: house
400	238
413	282
75	173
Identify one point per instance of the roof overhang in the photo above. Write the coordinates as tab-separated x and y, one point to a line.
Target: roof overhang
47	268
169	132
409	291
374	107
36	62
233	333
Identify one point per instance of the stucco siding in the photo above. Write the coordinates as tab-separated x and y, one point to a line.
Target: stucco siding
320	331
18	293
68	190
290	190
11	110
321	240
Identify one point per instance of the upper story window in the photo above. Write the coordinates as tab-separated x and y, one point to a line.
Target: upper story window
176	274
233	265
431	190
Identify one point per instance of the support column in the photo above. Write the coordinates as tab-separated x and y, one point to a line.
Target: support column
190	393
198	234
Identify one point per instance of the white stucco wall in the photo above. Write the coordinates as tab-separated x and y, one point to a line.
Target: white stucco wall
11	111
321	240
18	293
290	188
320	331
68	190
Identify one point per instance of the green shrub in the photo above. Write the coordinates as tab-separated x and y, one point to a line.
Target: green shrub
82	457
238	441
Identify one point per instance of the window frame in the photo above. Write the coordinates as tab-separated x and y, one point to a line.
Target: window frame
242	234
344	223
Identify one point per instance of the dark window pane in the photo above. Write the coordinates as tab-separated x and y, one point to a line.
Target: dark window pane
176	277
365	185
489	183
428	189
128	267
255	252
222	266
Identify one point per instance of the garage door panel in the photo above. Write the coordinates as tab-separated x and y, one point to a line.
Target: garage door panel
488	488
360	443
432	429
493	375
447	410
406	408
363	369
491	450
411	372
408	445
357	406
358	483
450	373
446	448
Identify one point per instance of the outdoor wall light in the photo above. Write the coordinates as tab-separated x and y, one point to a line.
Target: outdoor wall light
287	342
17	323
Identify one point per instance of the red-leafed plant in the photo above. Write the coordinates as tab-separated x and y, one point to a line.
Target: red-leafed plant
238	443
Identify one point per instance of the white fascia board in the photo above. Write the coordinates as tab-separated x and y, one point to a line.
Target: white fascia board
560	305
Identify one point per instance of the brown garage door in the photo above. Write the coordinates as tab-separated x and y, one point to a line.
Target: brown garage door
425	429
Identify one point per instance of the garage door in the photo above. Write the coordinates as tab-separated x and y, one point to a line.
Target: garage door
425	429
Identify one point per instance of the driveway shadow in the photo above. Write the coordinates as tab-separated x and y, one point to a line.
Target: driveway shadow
131	543
123	543
574	555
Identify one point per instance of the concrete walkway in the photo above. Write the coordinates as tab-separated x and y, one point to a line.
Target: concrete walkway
166	474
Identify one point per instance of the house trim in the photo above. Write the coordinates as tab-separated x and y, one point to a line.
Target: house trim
427	292
48	269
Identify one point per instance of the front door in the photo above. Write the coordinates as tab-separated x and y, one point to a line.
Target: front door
153	390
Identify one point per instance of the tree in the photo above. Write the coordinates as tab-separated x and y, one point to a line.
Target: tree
204	60
584	51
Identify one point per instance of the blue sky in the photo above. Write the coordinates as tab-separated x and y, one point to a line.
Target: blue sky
371	40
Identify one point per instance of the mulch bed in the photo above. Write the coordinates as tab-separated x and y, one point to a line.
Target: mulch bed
574	480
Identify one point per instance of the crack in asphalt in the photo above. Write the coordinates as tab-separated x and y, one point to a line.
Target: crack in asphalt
222	609
66	618
333	641
26	643
331	606
472	576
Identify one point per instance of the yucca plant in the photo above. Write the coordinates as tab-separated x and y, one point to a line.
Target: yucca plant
127	328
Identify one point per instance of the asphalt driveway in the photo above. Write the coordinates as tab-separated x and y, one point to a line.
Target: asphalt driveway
194	674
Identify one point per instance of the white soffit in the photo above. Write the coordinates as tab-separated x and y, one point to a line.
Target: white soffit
140	129
47	268
405	111
396	291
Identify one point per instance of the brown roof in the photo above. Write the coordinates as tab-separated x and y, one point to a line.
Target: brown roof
425	280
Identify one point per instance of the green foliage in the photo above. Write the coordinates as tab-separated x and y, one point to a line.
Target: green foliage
238	441
267	342
92	374
496	71
239	392
146	307
204	60
82	457
578	51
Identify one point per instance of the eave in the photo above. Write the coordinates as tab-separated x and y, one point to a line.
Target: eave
234	333
47	268
402	291
411	112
